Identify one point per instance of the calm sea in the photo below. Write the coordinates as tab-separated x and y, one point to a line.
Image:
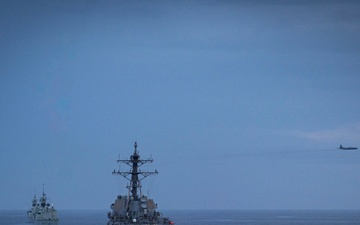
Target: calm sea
195	217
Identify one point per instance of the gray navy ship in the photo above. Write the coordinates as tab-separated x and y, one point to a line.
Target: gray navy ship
42	213
135	207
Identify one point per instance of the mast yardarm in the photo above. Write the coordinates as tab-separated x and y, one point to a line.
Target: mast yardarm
136	174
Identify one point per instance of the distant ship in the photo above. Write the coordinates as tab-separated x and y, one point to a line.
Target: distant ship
43	213
135	207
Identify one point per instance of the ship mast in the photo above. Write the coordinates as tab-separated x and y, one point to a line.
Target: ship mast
34	201
43	198
136	174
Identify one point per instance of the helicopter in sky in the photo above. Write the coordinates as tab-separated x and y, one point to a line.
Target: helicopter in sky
347	148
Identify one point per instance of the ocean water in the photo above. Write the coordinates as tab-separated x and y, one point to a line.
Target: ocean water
197	217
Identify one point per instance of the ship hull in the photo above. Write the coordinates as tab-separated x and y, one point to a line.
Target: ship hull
122	223
46	222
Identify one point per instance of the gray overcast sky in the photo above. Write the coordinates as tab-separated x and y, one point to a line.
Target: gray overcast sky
242	105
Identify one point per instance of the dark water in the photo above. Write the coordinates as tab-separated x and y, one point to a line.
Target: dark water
195	217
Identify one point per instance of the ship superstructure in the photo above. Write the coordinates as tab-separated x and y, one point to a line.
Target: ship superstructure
135	207
31	213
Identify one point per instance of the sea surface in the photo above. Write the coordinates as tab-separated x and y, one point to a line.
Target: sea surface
212	217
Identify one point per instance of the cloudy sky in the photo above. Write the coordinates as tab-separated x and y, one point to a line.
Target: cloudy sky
241	105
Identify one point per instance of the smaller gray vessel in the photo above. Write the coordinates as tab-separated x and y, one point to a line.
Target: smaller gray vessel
42	213
135	207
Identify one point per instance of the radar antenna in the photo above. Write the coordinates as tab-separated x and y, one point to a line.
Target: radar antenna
135	162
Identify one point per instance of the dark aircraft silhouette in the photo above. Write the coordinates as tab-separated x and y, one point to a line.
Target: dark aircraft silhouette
347	148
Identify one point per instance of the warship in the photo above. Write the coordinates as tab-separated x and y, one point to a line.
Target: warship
42	213
135	207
